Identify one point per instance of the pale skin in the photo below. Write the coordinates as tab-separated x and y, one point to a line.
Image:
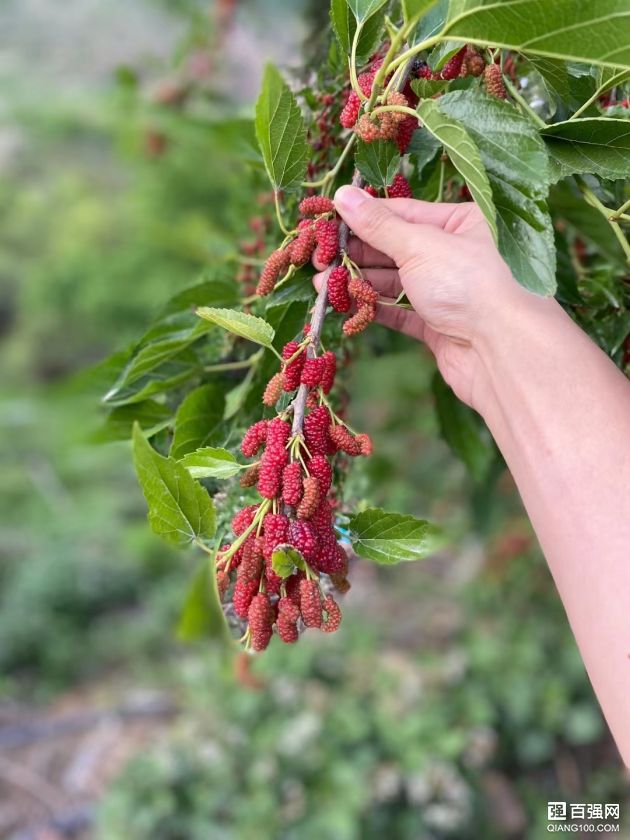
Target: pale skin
557	406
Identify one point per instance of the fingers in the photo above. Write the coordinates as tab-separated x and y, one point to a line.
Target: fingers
364	255
441	214
402	320
373	221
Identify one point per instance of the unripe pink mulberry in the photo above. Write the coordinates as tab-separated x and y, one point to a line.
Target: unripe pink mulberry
312	372
361	319
333	615
302	535
301	249
344	440
274	389
338	296
315	205
254	438
277	263
327	237
368	129
362	291
250	476
310	498
366	80
365	443
316	425
494	81
223	581
350	111
400	188
398	99
293	370
329	371
260	617
321	469
310	603
292	483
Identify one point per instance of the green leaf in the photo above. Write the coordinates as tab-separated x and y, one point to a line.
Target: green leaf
198	418
167	376
280	131
463	430
598	146
345	25
441	54
150	415
378	162
431	23
364	9
180	510
202	615
464	155
240	323
516	162
576	30
211	462
389	538
414	8
211	291
285	559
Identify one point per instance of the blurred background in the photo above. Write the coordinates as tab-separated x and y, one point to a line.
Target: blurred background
453	702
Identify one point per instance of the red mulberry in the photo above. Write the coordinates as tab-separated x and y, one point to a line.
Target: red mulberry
260	616
301	249
292	483
361	319
292	587
293	370
316	425
312	372
315	205
243	519
333	615
370	191
254	438
223	581
338	289
288	617
344	440
362	291
327	237
270	478
273	582
366	80
277	263
494	81
405	132
244	591
310	603
329	559
350	112
329	371
278	433
321	469
302	535
276	532
310	498
400	188
453	66
274	389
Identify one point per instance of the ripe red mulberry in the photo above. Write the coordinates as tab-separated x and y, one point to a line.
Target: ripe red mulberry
327	237
272	464
273	582
292	483
312	372
453	66
333	615
278	432
293	370
362	291
277	263
244	591
301	249
344	440
292	587
260	616
361	319
405	132
288	617
338	296
310	603
276	532
494	81
365	443
321	469
254	438
329	371
242	519
310	498
302	535
274	389
315	205
400	188
316	425
350	112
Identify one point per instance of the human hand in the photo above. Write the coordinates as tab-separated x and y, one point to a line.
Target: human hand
444	258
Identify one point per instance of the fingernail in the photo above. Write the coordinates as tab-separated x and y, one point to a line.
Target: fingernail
350	198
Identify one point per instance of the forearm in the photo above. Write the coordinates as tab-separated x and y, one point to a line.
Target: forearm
560	413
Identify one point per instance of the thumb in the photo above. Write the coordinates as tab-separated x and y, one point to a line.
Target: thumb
373	222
